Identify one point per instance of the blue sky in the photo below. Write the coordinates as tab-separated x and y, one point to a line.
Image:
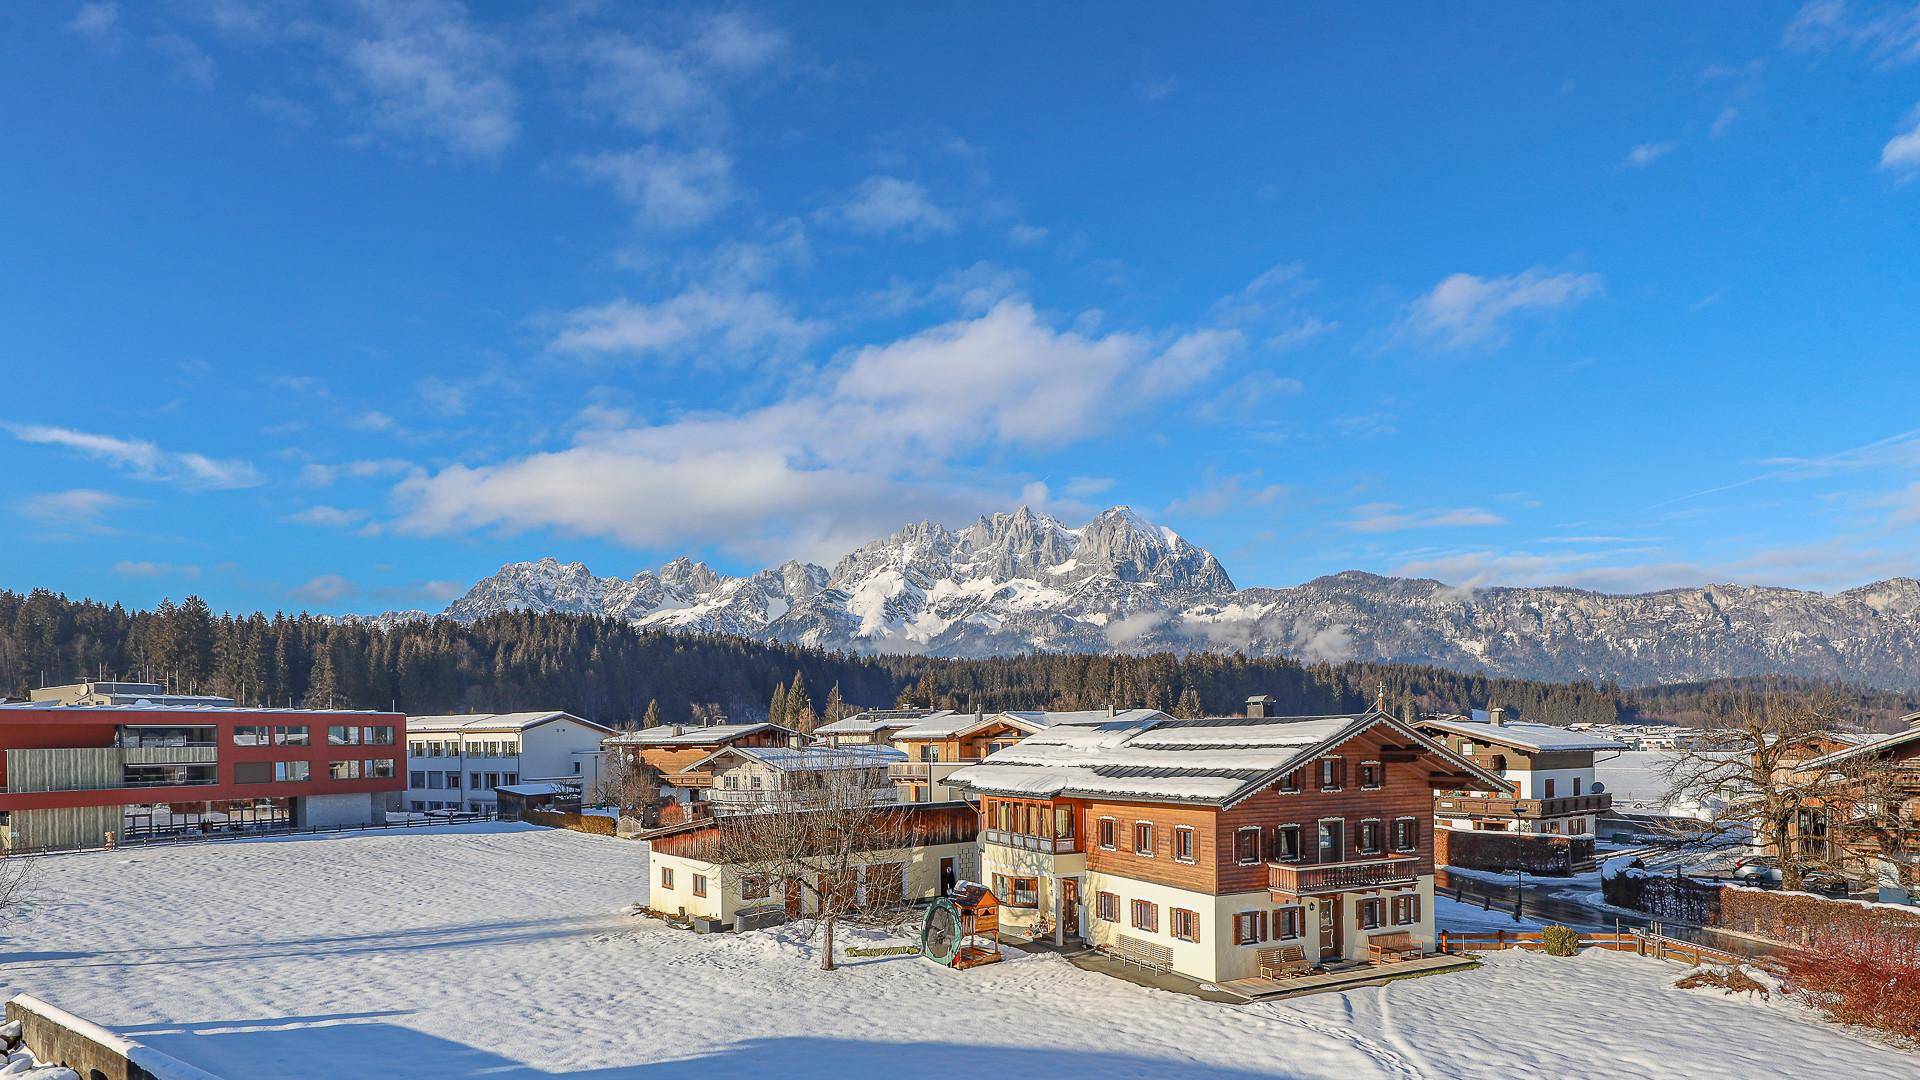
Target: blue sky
340	306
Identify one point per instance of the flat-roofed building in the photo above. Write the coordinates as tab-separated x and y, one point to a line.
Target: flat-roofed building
456	762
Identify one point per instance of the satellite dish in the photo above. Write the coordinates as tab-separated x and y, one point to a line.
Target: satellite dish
1597	787
940	932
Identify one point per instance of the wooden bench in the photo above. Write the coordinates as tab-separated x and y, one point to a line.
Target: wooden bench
1390	948
1141	954
1283	961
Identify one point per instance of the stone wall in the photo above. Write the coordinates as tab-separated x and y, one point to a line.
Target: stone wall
58	1037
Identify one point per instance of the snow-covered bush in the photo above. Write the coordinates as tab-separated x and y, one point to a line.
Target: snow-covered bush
1560	940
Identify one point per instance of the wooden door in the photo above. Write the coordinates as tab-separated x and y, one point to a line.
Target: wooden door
1070	906
1330	928
949	875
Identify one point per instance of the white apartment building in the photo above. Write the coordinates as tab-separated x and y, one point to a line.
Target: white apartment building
456	762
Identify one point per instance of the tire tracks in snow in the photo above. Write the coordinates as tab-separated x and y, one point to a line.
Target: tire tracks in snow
1391	1059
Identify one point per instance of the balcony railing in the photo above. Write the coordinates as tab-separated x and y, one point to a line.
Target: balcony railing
1301	879
1051	845
1494	807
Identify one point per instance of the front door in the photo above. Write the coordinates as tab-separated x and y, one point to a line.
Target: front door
1070	906
949	876
1330	928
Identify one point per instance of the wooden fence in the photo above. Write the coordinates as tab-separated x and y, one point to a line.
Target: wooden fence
1640	943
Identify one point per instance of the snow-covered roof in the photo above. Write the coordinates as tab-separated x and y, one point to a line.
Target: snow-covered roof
679	735
143	706
866	723
1869	747
1522	735
810	758
538	789
1084	716
513	721
1158	758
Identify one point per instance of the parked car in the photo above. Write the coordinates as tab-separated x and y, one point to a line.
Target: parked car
1762	870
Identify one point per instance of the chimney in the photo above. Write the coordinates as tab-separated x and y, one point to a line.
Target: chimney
1258	704
1110	711
979	712
1496	716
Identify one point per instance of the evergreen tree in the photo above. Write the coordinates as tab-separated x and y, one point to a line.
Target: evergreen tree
800	714
652	719
777	712
836	705
321	682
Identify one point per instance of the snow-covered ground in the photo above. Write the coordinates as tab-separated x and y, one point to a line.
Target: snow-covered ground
503	951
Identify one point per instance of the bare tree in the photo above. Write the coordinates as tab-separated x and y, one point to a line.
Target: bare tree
17	876
1869	810
811	838
632	787
1746	780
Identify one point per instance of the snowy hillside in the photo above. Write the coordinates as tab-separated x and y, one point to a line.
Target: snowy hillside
1023	581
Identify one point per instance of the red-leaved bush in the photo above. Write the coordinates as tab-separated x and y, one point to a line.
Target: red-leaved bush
1866	978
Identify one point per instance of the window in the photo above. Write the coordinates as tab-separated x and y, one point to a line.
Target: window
379	769
1370	837
1063	822
1406	834
343	770
416	779
1289	784
252	772
1576	787
476	781
1369	913
666	877
1370	775
1250	928
1333	773
1107	829
1332	840
1106	907
252	735
1182	843
493	780
1499	763
380	735
755	888
1286	843
1186	924
510	778
436	780
338	735
1143	838
1017	891
1146	916
1406	910
292	771
699	884
1546	790
1246	845
290	735
1289	922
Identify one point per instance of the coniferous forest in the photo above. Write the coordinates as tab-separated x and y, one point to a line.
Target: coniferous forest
610	671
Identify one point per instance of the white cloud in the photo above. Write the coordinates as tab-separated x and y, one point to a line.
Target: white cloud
145	461
77	506
421	592
1130	628
424	72
668	189
1724	122
1221	495
318	475
1890	33
373	420
1902	152
325	589
1025	235
1387	517
1329	644
1830	564
1298	335
1646	154
1465	311
888	204
881	433
725	327
1085	487
190	62
99	23
735	42
143	569
329	517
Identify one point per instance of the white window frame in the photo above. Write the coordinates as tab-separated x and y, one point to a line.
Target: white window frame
1299	842
1414	833
1379	848
1339	856
1278	924
1321	773
1147	852
1237	833
1193	844
1105	821
1379	774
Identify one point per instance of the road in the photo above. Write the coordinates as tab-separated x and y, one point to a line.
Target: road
1562	903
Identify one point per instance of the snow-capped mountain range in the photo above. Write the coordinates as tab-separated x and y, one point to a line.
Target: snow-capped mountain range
1022	582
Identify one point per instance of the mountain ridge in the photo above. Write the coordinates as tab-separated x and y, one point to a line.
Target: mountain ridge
1023	581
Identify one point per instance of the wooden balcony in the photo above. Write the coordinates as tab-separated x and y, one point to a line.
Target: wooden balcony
1050	845
1289	881
1495	807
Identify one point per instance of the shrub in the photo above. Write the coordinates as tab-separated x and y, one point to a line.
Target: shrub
1865	977
1560	940
1732	980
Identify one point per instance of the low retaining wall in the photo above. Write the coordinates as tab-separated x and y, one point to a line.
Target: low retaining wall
1794	919
58	1037
1535	853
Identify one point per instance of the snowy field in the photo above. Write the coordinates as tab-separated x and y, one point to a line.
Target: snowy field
505	952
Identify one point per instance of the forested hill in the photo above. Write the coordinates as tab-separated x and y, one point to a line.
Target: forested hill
608	670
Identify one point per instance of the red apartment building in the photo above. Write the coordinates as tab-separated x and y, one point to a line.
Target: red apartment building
74	775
